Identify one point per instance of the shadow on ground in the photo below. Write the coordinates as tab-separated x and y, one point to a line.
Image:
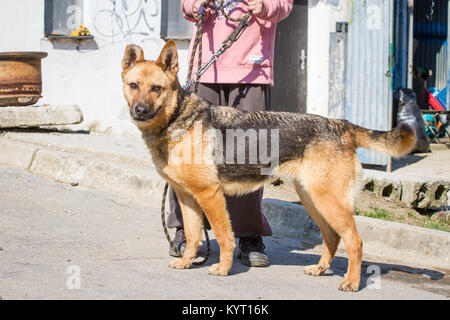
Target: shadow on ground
406	161
45	130
291	255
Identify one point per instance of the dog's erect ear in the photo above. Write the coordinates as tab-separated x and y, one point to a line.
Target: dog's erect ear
133	54
168	59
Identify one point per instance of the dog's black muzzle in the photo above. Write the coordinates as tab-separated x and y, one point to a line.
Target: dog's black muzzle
142	113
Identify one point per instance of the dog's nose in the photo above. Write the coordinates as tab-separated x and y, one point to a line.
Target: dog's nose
141	110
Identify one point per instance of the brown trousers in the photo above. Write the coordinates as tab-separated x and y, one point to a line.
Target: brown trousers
245	211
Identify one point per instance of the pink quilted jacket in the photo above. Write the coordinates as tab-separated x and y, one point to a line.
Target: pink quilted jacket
250	58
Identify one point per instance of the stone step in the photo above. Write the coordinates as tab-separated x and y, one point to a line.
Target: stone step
40	115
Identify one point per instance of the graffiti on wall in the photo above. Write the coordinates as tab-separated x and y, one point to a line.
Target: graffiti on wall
124	19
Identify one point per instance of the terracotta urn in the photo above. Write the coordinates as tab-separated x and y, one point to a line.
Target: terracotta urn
20	78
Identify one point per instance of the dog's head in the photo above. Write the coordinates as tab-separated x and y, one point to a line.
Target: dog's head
150	87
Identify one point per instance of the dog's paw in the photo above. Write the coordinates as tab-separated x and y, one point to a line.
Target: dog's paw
218	269
314	270
347	285
180	263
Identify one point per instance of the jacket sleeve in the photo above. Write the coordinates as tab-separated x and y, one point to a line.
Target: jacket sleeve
275	10
186	9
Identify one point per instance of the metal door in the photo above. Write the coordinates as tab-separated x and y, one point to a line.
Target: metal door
289	91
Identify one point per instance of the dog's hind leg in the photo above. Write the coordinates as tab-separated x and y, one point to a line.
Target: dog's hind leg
192	222
338	216
328	191
213	204
330	237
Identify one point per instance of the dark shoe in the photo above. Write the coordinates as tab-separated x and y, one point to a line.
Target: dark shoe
251	252
180	243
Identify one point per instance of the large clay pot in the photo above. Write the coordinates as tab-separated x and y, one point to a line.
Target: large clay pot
20	78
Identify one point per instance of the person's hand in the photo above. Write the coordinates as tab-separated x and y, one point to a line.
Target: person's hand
256	6
196	6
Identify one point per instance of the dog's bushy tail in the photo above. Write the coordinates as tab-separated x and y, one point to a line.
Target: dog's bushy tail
398	142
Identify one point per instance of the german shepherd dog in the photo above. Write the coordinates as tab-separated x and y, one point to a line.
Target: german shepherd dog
316	153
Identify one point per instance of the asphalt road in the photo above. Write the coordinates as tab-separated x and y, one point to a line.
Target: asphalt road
63	242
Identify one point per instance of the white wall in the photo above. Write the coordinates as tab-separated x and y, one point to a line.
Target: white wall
21	25
322	18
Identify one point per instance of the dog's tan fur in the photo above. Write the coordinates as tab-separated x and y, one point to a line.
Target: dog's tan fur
326	173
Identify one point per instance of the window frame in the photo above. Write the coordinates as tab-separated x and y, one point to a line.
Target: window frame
173	24
51	31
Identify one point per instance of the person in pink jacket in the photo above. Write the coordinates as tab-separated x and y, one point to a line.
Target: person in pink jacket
240	78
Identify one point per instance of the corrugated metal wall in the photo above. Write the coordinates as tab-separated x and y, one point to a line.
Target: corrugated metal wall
368	92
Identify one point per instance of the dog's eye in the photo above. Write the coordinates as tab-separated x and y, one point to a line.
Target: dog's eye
134	85
156	89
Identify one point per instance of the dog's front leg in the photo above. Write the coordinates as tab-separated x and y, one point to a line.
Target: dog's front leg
193	223
212	201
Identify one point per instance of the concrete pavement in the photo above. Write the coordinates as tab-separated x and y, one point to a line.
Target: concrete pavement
63	242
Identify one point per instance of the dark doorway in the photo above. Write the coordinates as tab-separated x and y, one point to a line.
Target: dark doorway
430	52
430	41
290	66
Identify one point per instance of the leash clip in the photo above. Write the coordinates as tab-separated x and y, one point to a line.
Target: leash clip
188	84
